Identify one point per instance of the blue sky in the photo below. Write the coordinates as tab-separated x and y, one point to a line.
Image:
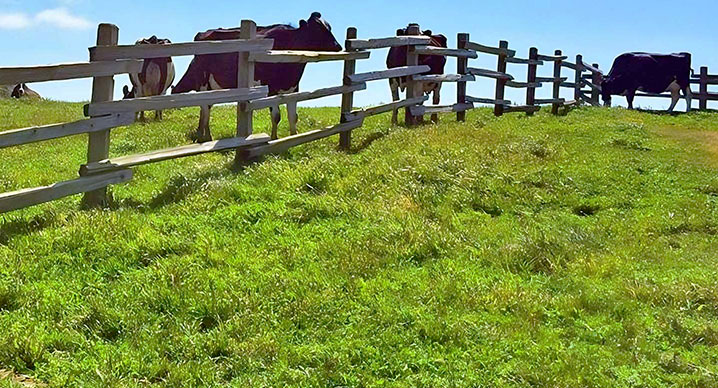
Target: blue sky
53	31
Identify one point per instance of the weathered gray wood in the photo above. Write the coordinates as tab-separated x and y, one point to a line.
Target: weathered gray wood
289	56
54	131
522	85
125	162
30	197
175	101
501	82
489	101
597	88
281	145
446	52
110	53
103	88
557	81
703	89
596	80
592	68
551	79
462	65
578	81
245	79
552	58
398	41
522	108
413	88
569	65
523	61
549	101
430	110
16	75
385	74
531	78
490	50
375	110
280	99
444	78
345	138
570	85
489	74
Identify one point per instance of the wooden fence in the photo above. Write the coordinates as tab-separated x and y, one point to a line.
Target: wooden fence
108	59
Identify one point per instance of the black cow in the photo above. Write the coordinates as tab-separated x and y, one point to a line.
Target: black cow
397	58
651	73
155	78
23	91
219	71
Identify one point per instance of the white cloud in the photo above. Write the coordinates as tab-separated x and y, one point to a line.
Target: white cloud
62	18
57	17
14	21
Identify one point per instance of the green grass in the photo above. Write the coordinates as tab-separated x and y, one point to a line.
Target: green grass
574	251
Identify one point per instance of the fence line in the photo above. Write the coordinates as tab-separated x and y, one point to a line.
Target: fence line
108	59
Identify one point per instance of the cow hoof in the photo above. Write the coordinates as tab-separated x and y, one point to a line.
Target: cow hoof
199	137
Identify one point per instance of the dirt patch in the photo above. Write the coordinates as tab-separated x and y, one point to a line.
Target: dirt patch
706	141
25	381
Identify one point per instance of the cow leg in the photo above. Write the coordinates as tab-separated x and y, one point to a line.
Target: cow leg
203	132
276	117
292	117
142	116
629	97
675	95
689	98
437	100
394	86
158	115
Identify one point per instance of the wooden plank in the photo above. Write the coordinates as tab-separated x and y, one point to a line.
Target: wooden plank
595	84
490	50
413	88
375	110
531	78
426	110
125	162
462	65
550	101
446	52
578	82
35	196
103	89
289	56
557	81
245	80
281	145
703	89
147	51
345	138
489	101
398	41
570	85
592	68
46	132
551	79
280	99
569	65
520	85
523	61
60	72
552	58
522	108
386	74
592	86
444	78
175	101
489	74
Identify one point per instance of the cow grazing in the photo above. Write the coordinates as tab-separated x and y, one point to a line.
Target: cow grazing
23	91
651	73
397	58
155	79
219	71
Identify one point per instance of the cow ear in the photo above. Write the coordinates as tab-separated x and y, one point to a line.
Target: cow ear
428	33
316	15
302	23
400	32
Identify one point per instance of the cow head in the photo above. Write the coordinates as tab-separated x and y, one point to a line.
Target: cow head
607	91
318	34
18	91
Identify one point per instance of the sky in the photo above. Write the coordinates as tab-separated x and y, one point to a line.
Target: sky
40	32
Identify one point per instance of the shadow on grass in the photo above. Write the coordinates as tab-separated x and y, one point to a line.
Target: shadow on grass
23	226
367	142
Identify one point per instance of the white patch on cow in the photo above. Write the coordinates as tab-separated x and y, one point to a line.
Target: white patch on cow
213	84
170	77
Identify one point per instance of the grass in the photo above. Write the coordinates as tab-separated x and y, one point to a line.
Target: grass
574	251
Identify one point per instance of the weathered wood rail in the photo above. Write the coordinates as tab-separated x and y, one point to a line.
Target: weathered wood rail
108	59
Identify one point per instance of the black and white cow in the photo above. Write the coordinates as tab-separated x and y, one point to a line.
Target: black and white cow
156	77
397	58
23	91
651	73
219	71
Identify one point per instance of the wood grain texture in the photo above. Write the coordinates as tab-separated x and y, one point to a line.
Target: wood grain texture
488	101
110	53
444	78
385	74
290	56
489	73
60	72
364	44
446	52
490	50
55	131
375	110
280	99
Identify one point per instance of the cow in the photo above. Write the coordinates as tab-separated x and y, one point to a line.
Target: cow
219	71
651	73
155	79
23	91
397	58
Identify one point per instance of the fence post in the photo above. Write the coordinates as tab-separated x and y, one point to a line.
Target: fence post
461	69
531	78
596	79
578	80
245	79
103	88
413	88
345	138
501	83
703	97
556	82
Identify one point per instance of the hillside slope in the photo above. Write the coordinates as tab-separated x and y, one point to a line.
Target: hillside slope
545	251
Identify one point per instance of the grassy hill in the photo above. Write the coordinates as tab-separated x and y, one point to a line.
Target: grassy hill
575	251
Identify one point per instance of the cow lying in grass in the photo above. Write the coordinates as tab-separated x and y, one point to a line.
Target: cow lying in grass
156	77
219	71
23	91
